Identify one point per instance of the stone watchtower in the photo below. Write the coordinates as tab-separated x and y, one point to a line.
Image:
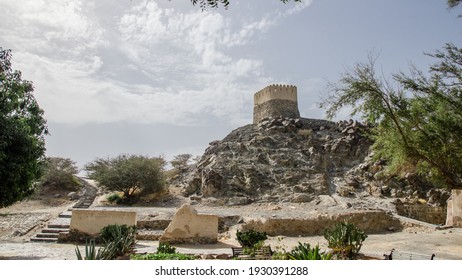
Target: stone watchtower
275	101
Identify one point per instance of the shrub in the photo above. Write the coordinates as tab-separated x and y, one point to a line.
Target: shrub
305	252
165	248
251	251
90	251
114	198
162	256
250	237
118	239
129	174
60	173
345	239
280	255
103	253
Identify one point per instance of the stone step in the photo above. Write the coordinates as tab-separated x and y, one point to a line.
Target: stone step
59	226
54	230
44	239
67	214
48	235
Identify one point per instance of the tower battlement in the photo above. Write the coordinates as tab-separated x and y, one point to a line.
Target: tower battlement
275	101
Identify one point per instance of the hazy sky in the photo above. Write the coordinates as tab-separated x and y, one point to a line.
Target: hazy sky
163	77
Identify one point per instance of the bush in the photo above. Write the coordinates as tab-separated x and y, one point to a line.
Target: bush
90	251
103	253
162	256
345	239
114	198
165	248
305	252
250	237
129	174
118	239
59	173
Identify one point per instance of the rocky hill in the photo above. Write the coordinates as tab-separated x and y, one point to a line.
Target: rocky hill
279	160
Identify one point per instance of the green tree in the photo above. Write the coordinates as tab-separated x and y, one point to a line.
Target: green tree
60	173
22	131
215	3
128	174
181	162
417	123
453	3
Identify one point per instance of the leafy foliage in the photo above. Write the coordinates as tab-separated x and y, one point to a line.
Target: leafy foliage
162	256
180	162
60	173
305	252
118	240
345	239
165	248
250	237
453	3
114	198
418	122
103	253
215	3
164	252
22	132
129	174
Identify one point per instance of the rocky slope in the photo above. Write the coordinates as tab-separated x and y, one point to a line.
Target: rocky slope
279	160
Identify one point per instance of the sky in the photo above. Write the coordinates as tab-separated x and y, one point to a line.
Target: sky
161	78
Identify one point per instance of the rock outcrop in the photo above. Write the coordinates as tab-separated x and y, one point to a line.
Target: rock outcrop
187	226
279	159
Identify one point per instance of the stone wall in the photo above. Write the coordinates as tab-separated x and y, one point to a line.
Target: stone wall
92	221
369	221
275	101
423	212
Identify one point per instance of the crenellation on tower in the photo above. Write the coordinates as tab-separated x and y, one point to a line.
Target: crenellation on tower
274	101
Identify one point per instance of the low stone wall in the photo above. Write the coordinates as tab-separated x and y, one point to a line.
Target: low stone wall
369	221
153	224
423	212
92	221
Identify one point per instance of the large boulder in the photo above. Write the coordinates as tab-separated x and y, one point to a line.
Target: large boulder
187	226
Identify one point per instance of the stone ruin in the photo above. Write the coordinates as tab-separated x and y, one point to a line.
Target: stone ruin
283	157
275	101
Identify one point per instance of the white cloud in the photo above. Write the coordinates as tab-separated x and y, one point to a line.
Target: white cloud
148	65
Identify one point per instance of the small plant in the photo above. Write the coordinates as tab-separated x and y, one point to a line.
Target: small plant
280	255
165	248
251	251
114	198
250	237
118	239
305	252
162	256
103	253
345	239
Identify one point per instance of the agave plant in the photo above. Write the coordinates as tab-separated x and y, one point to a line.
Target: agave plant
305	252
90	251
345	239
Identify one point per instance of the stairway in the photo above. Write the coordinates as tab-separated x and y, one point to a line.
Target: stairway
51	232
62	223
